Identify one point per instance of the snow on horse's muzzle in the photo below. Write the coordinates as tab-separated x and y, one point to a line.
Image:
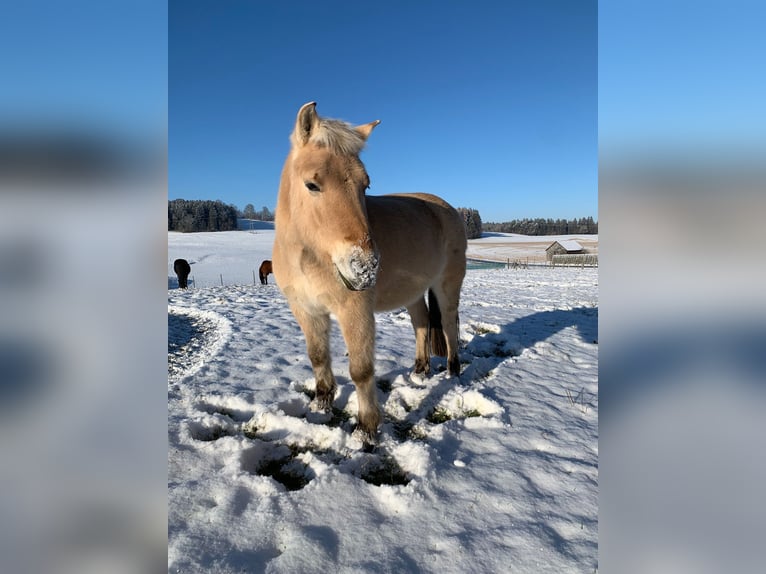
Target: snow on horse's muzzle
359	270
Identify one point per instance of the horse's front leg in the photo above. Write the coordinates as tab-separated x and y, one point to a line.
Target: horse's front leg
357	323
316	329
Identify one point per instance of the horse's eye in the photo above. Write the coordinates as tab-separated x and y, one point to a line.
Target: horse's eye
311	186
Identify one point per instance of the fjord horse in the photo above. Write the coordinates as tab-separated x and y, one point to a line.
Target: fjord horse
339	251
264	270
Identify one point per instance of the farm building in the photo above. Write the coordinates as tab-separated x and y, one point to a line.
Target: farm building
563	247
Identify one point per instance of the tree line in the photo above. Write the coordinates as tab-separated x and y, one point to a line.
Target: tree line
472	222
205	215
540	226
249	212
189	215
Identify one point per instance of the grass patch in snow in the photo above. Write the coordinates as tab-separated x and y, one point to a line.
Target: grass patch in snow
439	415
406	430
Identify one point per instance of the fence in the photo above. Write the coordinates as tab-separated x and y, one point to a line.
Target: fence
506	263
577	260
219	281
586	260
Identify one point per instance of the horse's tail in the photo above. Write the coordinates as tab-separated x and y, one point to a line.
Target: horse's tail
436	332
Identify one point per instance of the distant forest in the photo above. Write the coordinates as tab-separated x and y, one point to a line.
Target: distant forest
201	215
205	215
249	212
472	222
540	226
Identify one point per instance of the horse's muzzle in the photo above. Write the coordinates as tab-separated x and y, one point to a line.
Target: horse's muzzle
358	271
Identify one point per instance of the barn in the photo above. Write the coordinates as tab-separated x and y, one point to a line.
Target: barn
563	247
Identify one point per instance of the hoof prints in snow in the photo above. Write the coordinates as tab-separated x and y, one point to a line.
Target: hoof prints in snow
286	456
204	433
289	465
234	414
279	462
294	445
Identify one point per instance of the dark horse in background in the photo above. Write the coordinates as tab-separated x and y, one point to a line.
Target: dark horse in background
263	272
182	270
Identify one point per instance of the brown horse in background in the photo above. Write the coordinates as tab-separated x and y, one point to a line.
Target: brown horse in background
338	251
264	270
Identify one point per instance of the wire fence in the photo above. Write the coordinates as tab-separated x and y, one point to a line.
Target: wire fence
587	260
219	281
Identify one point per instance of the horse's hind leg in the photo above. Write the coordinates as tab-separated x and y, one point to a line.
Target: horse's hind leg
316	329
448	295
419	317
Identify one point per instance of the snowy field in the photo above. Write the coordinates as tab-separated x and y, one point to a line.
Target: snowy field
494	472
522	248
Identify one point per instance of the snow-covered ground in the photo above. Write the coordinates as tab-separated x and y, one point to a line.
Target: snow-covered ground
513	247
494	472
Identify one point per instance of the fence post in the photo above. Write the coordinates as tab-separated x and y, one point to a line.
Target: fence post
253	276
221	275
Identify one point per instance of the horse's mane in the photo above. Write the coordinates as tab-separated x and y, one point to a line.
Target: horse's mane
337	135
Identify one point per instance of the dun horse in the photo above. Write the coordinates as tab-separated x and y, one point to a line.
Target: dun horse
264	270
182	270
338	251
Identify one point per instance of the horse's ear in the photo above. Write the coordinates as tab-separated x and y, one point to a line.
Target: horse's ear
366	129
305	123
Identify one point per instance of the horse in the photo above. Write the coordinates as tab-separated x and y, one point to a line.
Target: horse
182	270
264	270
340	252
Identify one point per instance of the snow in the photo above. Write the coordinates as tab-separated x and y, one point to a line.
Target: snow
495	471
512	247
570	245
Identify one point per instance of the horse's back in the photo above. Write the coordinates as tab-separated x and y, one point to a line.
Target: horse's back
421	240
181	266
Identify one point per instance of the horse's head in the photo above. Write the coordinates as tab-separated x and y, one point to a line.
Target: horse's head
324	185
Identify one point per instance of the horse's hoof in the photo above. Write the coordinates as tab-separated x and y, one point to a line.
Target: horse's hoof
454	367
369	440
321	405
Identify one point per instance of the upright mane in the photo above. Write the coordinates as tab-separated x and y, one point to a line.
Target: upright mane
337	135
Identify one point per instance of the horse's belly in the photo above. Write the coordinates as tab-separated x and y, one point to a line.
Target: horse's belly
400	289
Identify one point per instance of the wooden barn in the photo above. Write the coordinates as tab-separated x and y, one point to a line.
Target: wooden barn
563	247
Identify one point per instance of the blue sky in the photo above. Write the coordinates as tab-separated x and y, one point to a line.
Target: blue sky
492	105
681	77
79	64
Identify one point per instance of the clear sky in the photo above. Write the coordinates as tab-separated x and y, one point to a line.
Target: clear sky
492	105
682	77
